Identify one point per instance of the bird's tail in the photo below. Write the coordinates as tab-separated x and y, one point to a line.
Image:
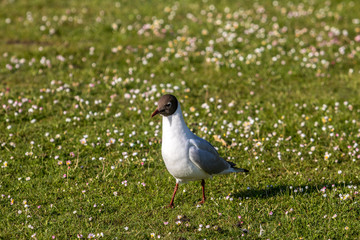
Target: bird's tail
237	169
240	169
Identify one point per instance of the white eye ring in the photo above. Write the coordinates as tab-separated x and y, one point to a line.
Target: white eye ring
168	104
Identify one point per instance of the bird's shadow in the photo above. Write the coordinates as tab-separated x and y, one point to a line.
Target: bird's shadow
286	190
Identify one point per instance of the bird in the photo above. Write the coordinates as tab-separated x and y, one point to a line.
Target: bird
187	157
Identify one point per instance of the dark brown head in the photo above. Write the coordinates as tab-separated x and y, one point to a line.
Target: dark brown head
167	105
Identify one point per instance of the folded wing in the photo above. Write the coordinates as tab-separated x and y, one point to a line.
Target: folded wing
205	156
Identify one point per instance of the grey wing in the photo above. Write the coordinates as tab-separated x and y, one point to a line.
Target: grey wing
204	145
207	159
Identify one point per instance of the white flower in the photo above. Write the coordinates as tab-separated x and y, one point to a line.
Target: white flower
127	96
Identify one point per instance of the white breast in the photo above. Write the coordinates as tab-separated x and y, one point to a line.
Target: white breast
175	149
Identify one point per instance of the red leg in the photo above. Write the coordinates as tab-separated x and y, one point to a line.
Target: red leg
203	191
172	199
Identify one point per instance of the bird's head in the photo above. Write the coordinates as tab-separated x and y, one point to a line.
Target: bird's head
167	105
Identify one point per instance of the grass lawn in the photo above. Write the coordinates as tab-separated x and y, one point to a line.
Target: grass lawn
273	85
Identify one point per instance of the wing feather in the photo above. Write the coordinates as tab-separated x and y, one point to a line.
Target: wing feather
205	156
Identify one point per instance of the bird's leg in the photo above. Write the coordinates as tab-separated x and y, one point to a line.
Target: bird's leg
203	191
171	205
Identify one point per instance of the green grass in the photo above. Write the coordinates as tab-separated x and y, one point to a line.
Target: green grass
281	81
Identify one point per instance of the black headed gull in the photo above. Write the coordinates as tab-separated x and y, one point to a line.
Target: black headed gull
187	157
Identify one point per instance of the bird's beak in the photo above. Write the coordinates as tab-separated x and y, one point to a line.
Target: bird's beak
156	112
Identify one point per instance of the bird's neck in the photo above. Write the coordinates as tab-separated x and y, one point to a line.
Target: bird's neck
174	126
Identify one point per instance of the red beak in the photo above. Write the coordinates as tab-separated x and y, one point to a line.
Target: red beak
156	112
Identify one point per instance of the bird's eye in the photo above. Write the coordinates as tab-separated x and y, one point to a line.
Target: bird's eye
168	104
